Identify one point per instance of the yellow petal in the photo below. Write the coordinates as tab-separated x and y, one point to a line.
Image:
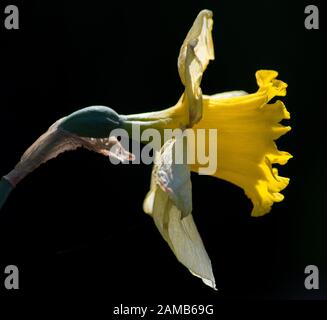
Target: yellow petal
247	129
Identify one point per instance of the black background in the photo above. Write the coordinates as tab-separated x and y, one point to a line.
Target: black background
76	225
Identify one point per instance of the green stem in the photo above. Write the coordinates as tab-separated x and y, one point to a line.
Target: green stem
5	189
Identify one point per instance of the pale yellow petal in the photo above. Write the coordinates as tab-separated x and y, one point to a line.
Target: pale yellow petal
169	202
200	38
183	237
196	52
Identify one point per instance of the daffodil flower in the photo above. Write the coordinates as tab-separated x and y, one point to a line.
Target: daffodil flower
247	125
